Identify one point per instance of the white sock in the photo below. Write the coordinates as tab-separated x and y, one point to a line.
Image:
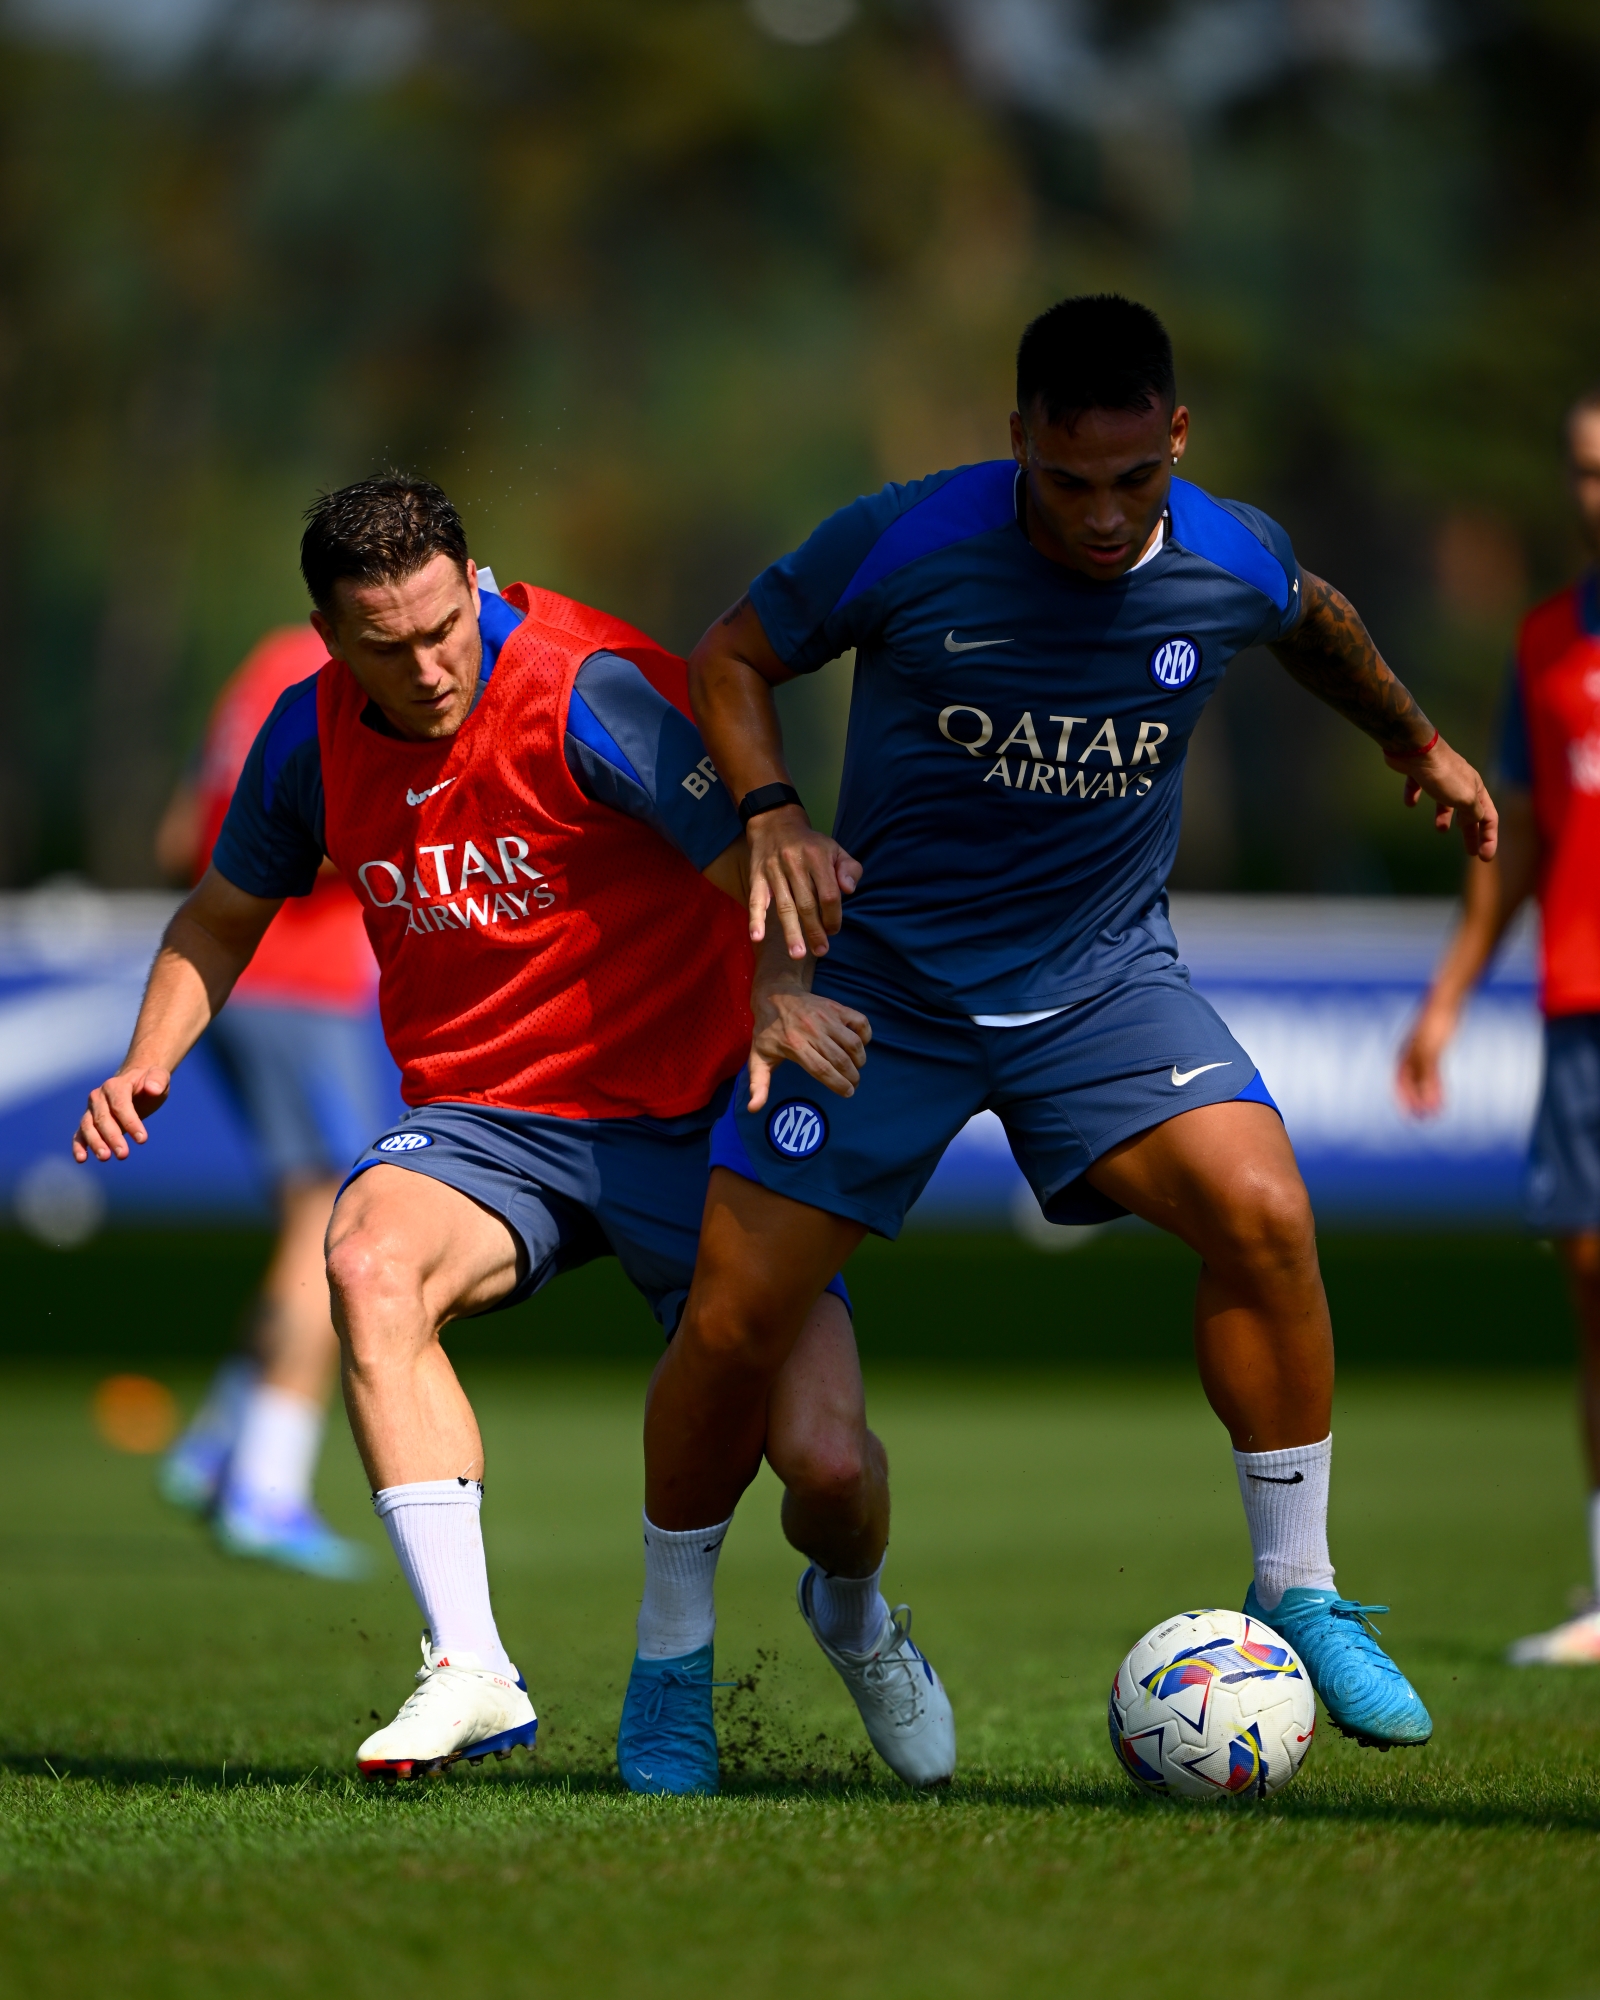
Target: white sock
1285	1496
275	1454
678	1614
437	1535
1594	1539
848	1611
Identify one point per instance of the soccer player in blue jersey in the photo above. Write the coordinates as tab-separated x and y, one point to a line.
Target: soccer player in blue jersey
1035	639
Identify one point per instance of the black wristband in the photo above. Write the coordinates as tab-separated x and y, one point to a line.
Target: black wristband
765	799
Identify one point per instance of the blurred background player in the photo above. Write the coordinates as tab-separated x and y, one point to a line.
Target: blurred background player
300	1057
1549	795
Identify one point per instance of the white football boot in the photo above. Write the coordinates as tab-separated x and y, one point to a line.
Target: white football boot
1574	1644
460	1709
901	1699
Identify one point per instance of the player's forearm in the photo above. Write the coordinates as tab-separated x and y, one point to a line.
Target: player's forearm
777	971
1331	654
737	715
191	978
1491	897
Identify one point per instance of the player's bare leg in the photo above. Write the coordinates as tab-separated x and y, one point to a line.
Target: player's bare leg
407	1254
1223	1178
1576	1641
265	1504
836	1511
761	1361
298	1348
835	1472
763	1261
249	1456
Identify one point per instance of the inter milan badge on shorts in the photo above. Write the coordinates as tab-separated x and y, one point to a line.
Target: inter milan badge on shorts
1174	663
796	1129
404	1142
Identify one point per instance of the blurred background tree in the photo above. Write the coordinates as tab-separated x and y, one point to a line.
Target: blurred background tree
651	285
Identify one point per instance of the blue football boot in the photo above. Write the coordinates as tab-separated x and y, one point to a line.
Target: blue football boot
294	1538
191	1473
667	1741
1366	1695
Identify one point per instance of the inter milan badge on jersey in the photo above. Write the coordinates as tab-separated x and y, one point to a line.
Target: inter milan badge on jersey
796	1129
1174	663
404	1142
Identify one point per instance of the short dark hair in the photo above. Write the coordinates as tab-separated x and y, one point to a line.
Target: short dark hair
1098	352
377	531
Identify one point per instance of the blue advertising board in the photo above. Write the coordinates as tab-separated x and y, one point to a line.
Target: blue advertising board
1320	991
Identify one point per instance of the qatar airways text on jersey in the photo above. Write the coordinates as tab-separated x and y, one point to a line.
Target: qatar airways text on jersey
452	885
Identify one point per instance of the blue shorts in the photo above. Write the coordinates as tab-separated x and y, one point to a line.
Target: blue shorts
1067	1089
573	1189
311	1083
1563	1184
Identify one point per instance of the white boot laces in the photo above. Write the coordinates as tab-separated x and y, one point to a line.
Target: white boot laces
895	1671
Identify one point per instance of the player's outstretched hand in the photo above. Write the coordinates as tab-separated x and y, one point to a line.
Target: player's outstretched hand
827	1040
1417	1080
117	1111
1450	781
800	875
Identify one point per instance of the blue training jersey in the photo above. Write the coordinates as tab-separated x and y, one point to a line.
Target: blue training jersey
626	746
1013	772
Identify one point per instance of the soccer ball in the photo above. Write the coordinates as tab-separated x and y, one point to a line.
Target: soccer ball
1210	1704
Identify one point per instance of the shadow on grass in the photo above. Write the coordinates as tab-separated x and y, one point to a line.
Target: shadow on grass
1448	1800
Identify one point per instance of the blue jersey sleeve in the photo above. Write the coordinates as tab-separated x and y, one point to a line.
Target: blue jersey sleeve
1245	544
824	598
629	748
271	843
1512	763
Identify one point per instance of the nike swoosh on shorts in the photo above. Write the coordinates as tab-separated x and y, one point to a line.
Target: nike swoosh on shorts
1181	1077
954	645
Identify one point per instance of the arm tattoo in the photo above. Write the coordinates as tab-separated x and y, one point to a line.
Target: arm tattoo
736	612
1331	654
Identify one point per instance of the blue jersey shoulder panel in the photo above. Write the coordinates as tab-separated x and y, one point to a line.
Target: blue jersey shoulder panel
629	748
271	842
497	620
583	723
973	501
1208	529
294	723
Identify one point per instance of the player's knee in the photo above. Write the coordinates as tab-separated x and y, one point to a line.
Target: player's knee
828	1470
1269	1221
370	1273
733	1338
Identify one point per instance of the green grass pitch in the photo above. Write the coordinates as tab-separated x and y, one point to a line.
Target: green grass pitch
176	1730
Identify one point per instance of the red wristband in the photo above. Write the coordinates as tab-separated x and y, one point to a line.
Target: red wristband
1410	756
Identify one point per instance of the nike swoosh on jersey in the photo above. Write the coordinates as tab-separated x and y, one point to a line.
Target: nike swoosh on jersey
954	645
1182	1076
416	798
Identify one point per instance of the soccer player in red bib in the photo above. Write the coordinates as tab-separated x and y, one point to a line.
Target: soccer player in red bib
1549	792
297	1052
553	882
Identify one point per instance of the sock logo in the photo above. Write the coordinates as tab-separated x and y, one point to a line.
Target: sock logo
1267	1479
